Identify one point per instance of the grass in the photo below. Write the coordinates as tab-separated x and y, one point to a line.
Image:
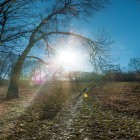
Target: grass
95	121
111	111
121	96
24	116
10	110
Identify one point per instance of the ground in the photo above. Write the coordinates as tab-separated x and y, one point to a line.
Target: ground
103	114
12	109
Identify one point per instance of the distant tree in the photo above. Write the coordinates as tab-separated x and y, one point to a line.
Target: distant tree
134	64
6	65
134	69
51	25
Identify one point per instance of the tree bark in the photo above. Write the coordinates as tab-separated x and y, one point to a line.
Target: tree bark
13	91
14	81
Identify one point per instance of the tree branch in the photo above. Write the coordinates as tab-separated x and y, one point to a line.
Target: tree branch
73	34
38	59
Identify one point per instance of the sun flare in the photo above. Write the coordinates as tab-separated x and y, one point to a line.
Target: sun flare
70	55
69	59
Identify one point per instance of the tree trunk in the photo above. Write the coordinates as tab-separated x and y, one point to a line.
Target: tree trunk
15	75
15	80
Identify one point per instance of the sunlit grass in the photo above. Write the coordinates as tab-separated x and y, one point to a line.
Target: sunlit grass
93	120
36	103
122	96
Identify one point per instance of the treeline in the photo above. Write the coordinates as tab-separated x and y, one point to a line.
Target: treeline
112	73
130	73
121	76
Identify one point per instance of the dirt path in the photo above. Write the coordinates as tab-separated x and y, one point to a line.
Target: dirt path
65	120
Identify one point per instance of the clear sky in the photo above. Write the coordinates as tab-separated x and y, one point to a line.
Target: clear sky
122	21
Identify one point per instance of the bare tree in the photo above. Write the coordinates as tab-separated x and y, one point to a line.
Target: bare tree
52	25
6	65
134	65
13	15
101	58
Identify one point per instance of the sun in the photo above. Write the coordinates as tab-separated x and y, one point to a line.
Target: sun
68	58
70	55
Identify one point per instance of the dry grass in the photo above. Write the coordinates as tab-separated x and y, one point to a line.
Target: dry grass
10	110
34	106
55	95
121	96
94	120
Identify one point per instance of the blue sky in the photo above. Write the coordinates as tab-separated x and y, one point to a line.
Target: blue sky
122	21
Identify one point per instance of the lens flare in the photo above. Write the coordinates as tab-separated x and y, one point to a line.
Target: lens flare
85	95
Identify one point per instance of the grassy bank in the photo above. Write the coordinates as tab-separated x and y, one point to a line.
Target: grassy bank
121	96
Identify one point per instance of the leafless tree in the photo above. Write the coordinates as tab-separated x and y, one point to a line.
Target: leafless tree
101	57
134	65
13	15
14	27
6	65
52	25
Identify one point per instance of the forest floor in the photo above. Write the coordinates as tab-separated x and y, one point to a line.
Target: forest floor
110	111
